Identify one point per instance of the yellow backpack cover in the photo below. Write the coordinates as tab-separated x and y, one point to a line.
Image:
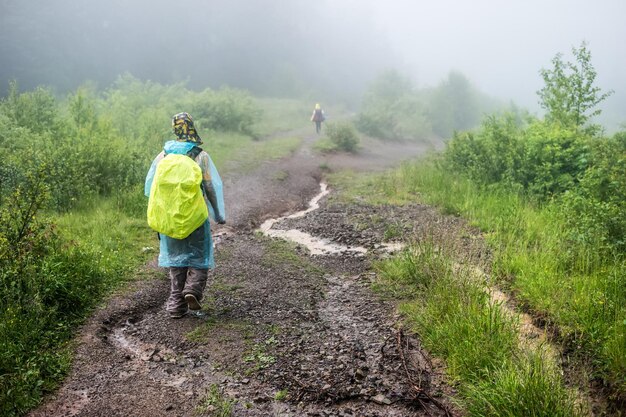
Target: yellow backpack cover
176	206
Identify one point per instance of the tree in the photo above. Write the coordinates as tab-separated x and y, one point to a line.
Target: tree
569	95
454	105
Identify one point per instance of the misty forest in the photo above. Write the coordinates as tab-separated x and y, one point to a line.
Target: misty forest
425	208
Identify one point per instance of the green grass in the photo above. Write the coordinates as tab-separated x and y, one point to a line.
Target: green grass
257	356
112	232
281	115
325	145
524	386
450	310
215	404
366	188
97	248
244	153
280	176
567	284
281	395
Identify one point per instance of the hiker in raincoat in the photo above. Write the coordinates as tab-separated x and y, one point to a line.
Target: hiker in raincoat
190	258
318	117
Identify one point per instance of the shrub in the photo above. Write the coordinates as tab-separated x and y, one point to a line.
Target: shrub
226	110
35	110
595	211
391	109
542	159
343	136
491	155
554	159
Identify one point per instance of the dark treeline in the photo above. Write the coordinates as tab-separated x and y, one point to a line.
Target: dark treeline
266	46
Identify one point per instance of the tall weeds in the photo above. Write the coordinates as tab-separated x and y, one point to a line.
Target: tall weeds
455	318
570	284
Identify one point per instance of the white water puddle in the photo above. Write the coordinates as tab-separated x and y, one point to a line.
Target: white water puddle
317	246
392	247
139	350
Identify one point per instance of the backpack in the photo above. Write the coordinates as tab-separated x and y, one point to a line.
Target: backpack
319	116
176	205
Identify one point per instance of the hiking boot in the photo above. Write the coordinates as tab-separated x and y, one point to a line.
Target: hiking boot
177	314
192	302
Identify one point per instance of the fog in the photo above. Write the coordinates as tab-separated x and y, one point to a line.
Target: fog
502	45
314	48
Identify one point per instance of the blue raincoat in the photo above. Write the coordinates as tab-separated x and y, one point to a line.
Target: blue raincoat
196	250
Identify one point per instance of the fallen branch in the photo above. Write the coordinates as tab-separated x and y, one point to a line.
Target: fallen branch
419	392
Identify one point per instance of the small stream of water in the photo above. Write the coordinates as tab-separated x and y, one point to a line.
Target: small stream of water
317	246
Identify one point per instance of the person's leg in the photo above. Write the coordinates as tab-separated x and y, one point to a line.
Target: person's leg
318	126
194	287
176	304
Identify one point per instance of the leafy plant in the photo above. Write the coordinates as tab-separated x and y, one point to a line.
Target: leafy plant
343	136
215	404
569	94
226	110
258	355
595	210
281	395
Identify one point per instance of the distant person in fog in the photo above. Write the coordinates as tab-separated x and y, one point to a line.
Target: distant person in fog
318	117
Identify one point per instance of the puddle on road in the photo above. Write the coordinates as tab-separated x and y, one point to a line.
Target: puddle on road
138	349
123	338
317	246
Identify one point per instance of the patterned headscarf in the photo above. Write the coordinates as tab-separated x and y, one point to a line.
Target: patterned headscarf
182	123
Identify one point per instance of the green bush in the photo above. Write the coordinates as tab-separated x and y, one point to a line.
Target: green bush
393	108
555	158
84	155
541	159
493	154
343	136
547	160
45	287
35	110
596	209
226	110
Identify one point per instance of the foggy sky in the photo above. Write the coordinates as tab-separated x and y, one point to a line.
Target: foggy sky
297	46
502	44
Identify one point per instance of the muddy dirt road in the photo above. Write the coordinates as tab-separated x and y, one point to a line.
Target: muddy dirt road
283	332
